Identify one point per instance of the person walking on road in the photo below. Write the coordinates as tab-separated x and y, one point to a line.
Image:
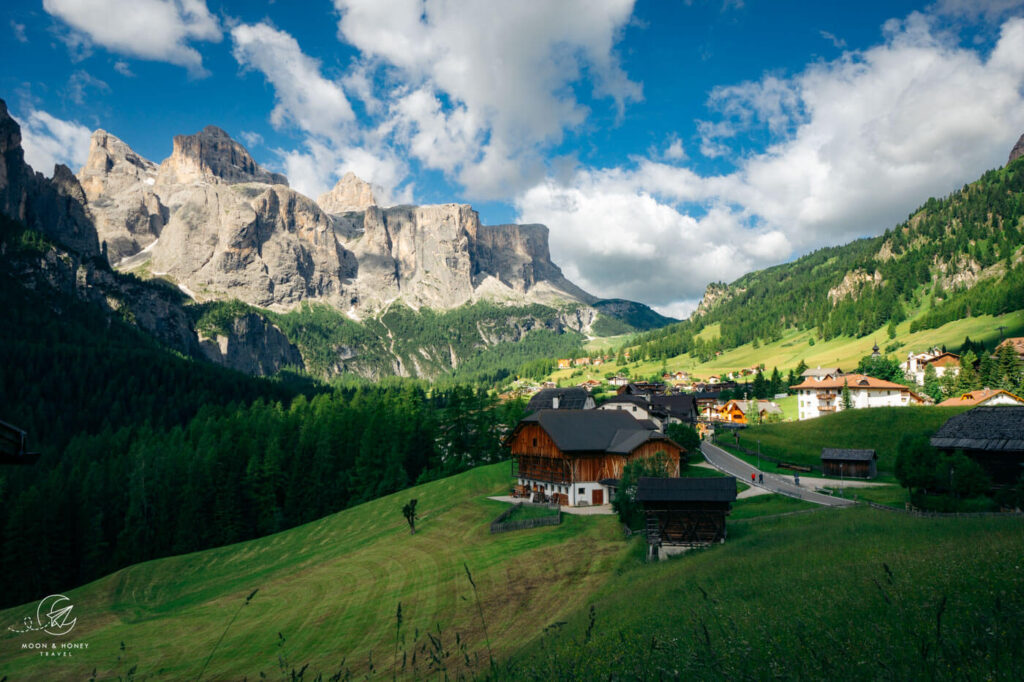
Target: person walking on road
760	477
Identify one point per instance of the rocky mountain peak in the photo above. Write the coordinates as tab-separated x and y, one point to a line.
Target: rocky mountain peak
107	152
350	194
55	207
212	156
1017	151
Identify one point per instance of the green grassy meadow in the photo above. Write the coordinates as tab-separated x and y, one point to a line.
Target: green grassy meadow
332	587
878	428
794	346
836	594
328	593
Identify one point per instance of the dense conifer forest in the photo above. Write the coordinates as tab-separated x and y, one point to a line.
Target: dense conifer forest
146	453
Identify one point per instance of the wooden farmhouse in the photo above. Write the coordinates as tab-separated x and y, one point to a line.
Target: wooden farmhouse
846	463
575	457
684	512
993	436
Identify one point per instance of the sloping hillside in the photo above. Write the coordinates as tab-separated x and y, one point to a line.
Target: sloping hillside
953	258
327	594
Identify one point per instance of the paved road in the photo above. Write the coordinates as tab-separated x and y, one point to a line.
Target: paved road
734	466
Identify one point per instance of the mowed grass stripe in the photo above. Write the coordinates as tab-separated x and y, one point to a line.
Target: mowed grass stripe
331	588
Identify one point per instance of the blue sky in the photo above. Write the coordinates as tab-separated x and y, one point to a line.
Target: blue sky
665	144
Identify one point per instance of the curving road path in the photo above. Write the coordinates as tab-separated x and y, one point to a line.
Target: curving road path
734	466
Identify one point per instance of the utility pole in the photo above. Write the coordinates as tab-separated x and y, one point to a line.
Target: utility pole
758	455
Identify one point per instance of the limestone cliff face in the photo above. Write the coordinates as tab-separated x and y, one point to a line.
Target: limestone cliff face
253	345
54	207
118	184
113	179
264	244
212	156
350	194
222	227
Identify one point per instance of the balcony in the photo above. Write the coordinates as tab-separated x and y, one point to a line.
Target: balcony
826	408
826	396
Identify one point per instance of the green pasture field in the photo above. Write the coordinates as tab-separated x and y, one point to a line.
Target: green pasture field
854	594
327	595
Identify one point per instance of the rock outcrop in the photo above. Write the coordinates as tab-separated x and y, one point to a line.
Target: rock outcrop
264	244
212	156
54	207
350	194
253	345
1017	151
118	184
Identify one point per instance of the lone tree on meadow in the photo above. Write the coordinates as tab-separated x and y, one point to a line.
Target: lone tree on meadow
409	512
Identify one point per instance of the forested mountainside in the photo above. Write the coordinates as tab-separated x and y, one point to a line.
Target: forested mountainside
953	257
146	452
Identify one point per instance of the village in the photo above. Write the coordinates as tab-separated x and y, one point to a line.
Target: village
577	443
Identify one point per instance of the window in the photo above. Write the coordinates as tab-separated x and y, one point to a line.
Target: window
534	442
582	491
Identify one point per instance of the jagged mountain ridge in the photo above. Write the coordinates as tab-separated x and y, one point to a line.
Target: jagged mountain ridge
126	209
216	223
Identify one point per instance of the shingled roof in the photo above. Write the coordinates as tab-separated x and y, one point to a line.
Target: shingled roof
612	431
678	406
573	398
718	489
995	429
847	455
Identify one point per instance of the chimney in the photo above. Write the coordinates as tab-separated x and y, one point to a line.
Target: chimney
554	403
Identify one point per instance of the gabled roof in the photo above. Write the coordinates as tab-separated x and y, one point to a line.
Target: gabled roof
821	371
762	406
718	489
573	398
1016	341
612	431
997	428
944	359
854	381
676	405
978	397
846	455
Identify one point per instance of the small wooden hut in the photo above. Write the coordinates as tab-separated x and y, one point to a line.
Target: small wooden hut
991	436
847	463
684	512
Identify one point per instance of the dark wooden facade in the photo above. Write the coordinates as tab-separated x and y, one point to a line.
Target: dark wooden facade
537	457
686	523
842	463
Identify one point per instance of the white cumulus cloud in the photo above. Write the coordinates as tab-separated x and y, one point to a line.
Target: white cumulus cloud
48	140
158	30
860	142
483	88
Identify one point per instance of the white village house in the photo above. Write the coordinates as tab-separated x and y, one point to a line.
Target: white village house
942	361
817	397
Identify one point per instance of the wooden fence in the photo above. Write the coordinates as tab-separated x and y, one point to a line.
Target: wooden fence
500	525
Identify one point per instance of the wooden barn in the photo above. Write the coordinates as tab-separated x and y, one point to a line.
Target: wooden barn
991	436
564	455
846	463
684	512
